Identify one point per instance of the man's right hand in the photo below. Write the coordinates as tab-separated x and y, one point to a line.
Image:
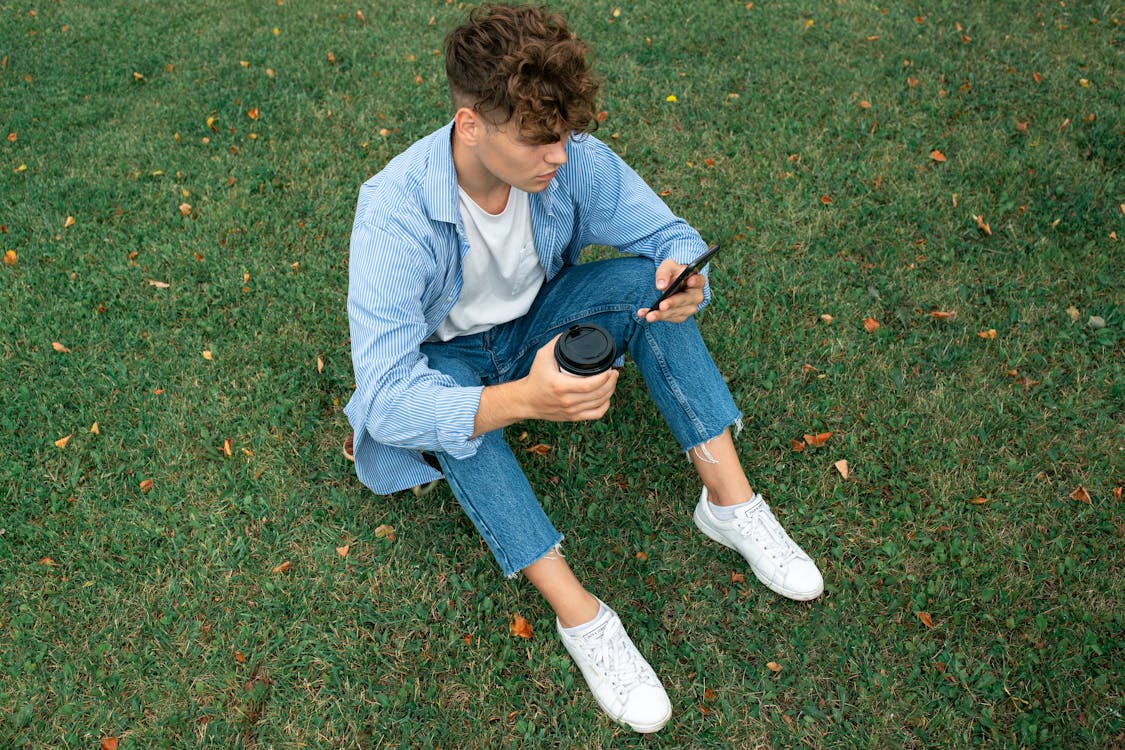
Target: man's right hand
560	397
545	393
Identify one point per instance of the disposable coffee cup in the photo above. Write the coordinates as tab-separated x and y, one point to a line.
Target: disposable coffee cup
585	350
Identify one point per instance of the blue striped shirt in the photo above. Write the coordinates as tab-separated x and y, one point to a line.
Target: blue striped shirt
405	276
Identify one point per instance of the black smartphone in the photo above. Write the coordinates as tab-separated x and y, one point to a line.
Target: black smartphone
687	273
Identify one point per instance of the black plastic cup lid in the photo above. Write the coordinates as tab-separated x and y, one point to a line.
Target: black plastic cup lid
585	349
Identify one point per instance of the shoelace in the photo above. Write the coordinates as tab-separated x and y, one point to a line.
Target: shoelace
758	521
612	653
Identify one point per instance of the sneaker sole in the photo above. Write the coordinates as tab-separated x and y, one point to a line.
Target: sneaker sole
638	728
797	596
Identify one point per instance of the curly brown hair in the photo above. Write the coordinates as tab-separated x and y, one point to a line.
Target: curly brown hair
522	65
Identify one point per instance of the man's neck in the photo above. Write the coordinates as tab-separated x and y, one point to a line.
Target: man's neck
486	190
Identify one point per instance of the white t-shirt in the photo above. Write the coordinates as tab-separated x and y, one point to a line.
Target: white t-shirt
501	273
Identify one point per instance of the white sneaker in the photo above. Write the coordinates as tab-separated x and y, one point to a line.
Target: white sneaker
776	559
623	683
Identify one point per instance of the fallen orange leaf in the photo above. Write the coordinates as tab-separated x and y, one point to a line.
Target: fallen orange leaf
1117	494
708	694
870	324
925	618
59	348
94	429
826	200
817	440
942	314
736	577
146	485
360	17
10	258
519	626
982	225
185	209
773	666
61	442
343	551
641	555
109	743
240	657
331	57
69	222
980	500
539	449
253	113
600	117
937	156
797	445
226	449
989	334
1081	495
283	568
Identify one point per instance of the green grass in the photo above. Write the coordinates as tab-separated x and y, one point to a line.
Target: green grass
159	619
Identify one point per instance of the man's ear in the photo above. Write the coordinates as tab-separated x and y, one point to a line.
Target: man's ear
467	126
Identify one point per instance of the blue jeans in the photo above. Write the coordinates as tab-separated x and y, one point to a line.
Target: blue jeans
681	377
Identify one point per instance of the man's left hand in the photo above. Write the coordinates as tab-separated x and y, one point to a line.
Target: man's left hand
681	305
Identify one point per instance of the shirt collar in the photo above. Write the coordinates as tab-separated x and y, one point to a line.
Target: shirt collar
440	183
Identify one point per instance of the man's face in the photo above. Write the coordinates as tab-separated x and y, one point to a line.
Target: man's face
512	159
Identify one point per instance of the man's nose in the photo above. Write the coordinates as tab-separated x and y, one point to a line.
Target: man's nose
556	154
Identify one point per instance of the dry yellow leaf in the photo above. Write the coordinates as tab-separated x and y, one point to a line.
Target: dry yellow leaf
842	467
385	531
227	448
61	442
980	500
989	334
158	284
827	318
774	667
185	209
519	626
320	364
69	222
94	429
207	355
59	348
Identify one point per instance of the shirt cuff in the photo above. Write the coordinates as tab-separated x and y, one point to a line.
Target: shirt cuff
456	413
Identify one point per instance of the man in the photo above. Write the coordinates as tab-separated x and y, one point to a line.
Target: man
464	271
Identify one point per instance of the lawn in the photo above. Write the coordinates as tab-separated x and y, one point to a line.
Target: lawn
923	214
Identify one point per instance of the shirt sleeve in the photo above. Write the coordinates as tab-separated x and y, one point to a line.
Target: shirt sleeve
403	403
619	209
